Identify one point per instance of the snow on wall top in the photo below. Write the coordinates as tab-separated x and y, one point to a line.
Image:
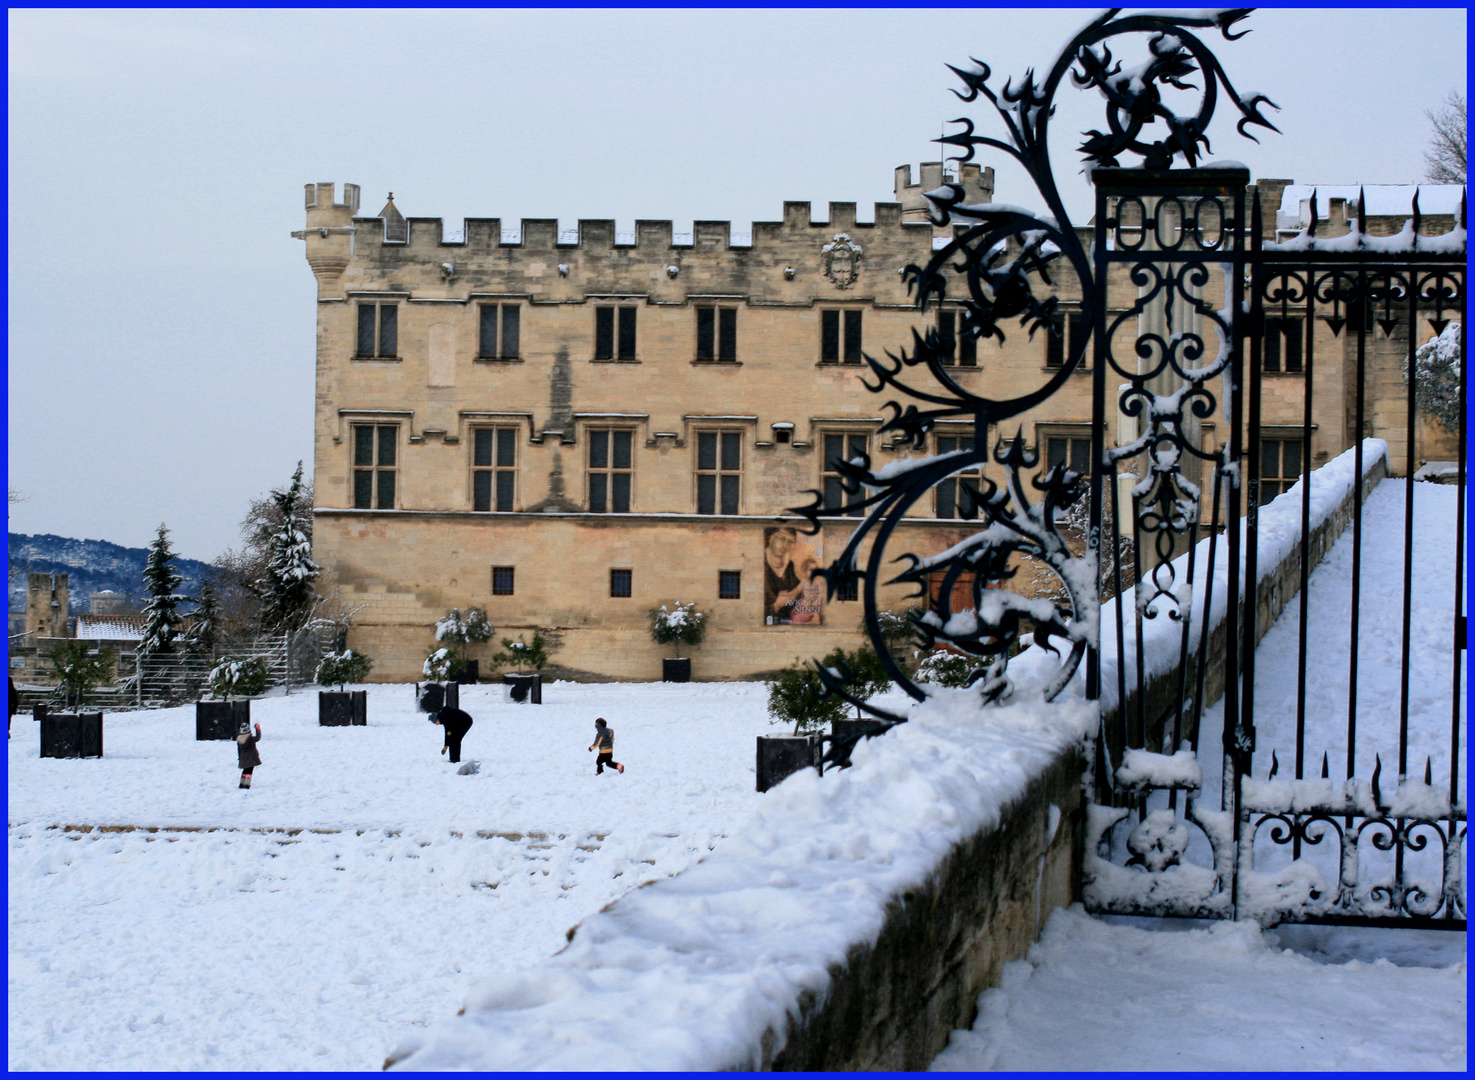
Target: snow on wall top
689	972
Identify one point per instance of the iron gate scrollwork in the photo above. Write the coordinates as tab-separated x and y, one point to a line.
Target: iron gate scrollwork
1179	293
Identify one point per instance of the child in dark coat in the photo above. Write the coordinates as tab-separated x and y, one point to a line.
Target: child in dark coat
457	723
604	739
246	753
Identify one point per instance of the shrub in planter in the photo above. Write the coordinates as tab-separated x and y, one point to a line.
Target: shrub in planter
79	668
238	678
795	695
523	654
681	624
944	668
455	632
339	669
438	665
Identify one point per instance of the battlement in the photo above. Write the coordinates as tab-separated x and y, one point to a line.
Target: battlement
977	182
321	196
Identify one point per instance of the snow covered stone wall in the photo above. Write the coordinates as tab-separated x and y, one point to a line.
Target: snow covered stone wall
851	924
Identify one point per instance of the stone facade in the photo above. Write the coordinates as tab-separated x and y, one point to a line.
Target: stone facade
571	429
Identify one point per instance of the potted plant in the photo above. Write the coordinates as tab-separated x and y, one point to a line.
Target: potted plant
681	624
343	707
455	633
524	685
78	669
797	696
232	677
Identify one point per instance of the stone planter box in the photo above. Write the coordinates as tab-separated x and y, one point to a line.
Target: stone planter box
469	673
220	719
431	697
70	735
342	708
783	755
524	689
676	669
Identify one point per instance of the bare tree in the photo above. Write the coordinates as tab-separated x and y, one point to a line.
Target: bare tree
1446	154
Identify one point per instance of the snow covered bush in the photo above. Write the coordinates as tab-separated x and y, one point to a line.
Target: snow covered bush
238	678
678	625
339	669
1437	366
440	665
456	632
523	654
287	592
944	668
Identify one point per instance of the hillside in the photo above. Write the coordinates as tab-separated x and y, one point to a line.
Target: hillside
93	565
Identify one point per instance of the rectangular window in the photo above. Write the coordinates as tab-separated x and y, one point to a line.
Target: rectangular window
964	350
1074	452
614	335
719	471
610	464
729	584
502	581
848	590
1066	338
841	448
829	337
852	337
1280	466
619	582
716	333
493	468
956	497
378	335
491	345
374	466
1282	345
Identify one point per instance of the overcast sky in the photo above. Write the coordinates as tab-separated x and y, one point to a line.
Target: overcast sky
162	319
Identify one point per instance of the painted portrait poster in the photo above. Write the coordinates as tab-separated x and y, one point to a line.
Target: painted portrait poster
789	597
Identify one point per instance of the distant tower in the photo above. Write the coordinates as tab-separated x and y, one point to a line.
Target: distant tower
46	605
977	183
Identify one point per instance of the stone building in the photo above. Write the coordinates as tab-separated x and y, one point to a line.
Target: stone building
570	429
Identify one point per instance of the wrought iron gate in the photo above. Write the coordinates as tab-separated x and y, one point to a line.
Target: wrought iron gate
1185	307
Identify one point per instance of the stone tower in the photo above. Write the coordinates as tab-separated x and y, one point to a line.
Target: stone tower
46	605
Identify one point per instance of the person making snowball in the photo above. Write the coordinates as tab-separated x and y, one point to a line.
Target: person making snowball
457	723
604	740
246	754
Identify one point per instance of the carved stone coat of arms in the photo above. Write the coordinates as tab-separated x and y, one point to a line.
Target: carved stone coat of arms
840	260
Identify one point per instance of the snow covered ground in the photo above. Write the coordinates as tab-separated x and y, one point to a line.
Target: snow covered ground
1227	997
285	949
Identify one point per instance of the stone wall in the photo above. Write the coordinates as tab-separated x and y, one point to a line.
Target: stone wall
892	1006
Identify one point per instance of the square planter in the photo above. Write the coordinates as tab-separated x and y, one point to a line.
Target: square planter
71	735
220	719
342	708
524	689
676	669
431	697
469	673
780	756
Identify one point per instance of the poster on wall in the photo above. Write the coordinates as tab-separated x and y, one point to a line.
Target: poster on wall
789	597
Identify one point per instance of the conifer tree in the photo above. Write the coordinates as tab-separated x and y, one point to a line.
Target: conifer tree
161	612
287	592
203	634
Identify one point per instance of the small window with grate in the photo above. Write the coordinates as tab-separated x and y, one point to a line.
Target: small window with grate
619	582
502	581
729	584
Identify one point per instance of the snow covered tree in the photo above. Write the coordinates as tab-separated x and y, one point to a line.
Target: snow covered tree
1446	154
286	590
200	639
1437	364
339	669
237	572
679	625
161	611
455	633
78	668
241	678
523	654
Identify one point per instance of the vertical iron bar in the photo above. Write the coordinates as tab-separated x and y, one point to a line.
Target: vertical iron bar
1408	523
1460	626
1235	423
1101	270
1137	614
1121	665
1203	633
1245	732
1361	309
1309	384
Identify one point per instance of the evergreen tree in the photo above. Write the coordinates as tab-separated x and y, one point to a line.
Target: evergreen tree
203	634
287	592
161	612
